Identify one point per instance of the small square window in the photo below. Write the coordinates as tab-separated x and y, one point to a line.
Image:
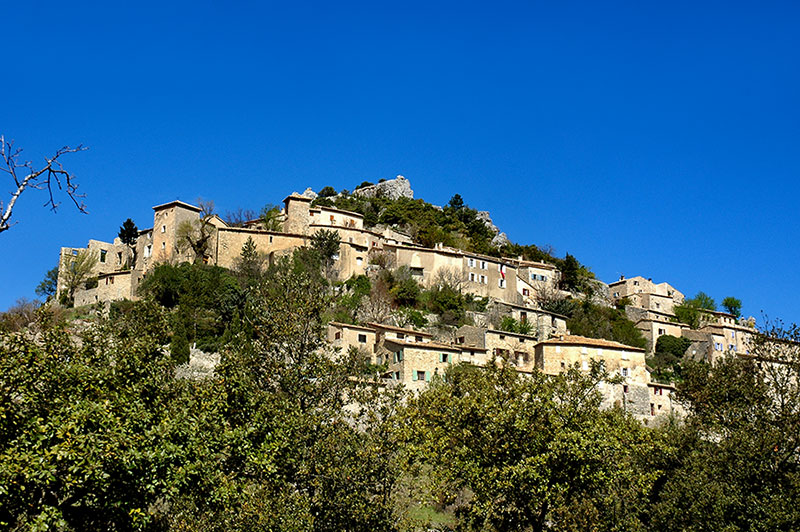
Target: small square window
362	338
163	228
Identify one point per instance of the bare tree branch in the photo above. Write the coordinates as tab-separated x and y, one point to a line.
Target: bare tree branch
51	176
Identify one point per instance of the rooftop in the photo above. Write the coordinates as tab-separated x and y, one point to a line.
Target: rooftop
593	342
177	203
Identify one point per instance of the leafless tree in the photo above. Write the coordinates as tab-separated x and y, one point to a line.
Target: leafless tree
196	236
240	217
448	277
49	177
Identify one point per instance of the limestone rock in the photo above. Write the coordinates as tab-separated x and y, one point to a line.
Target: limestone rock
487	220
308	193
393	189
500	240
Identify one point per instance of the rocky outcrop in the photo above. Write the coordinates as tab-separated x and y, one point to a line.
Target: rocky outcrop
500	240
393	189
308	193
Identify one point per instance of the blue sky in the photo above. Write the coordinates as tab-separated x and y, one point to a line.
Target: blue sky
656	139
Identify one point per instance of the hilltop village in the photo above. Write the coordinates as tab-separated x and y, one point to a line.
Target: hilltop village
512	288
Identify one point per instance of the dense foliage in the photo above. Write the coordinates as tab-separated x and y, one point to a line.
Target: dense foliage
596	321
97	433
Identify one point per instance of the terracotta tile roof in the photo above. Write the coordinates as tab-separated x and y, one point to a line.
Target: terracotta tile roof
582	340
398	329
178	203
424	345
350	326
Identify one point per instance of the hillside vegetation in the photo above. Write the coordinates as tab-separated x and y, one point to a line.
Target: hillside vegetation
97	433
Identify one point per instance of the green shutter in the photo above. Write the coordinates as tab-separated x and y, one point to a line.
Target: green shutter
427	376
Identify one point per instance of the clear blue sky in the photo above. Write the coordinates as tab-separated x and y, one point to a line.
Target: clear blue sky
646	138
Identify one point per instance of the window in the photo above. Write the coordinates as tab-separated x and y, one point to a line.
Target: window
417	271
483	279
662	331
471	263
544	277
502	336
655	390
397	375
624	388
421	375
112	280
733	335
623	372
616	294
163	228
359	261
400	336
337	336
148	250
444	358
652	409
472	276
484	266
119	258
636	283
270	239
398	356
658	305
418	339
163	245
526	292
362	338
501	283
563	365
103	254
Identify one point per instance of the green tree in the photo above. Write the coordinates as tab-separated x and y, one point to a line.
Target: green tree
732	306
738	455
667	362
250	263
78	271
456	202
692	311
570	274
326	243
327	192
271	218
128	235
532	453
49	285
595	321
